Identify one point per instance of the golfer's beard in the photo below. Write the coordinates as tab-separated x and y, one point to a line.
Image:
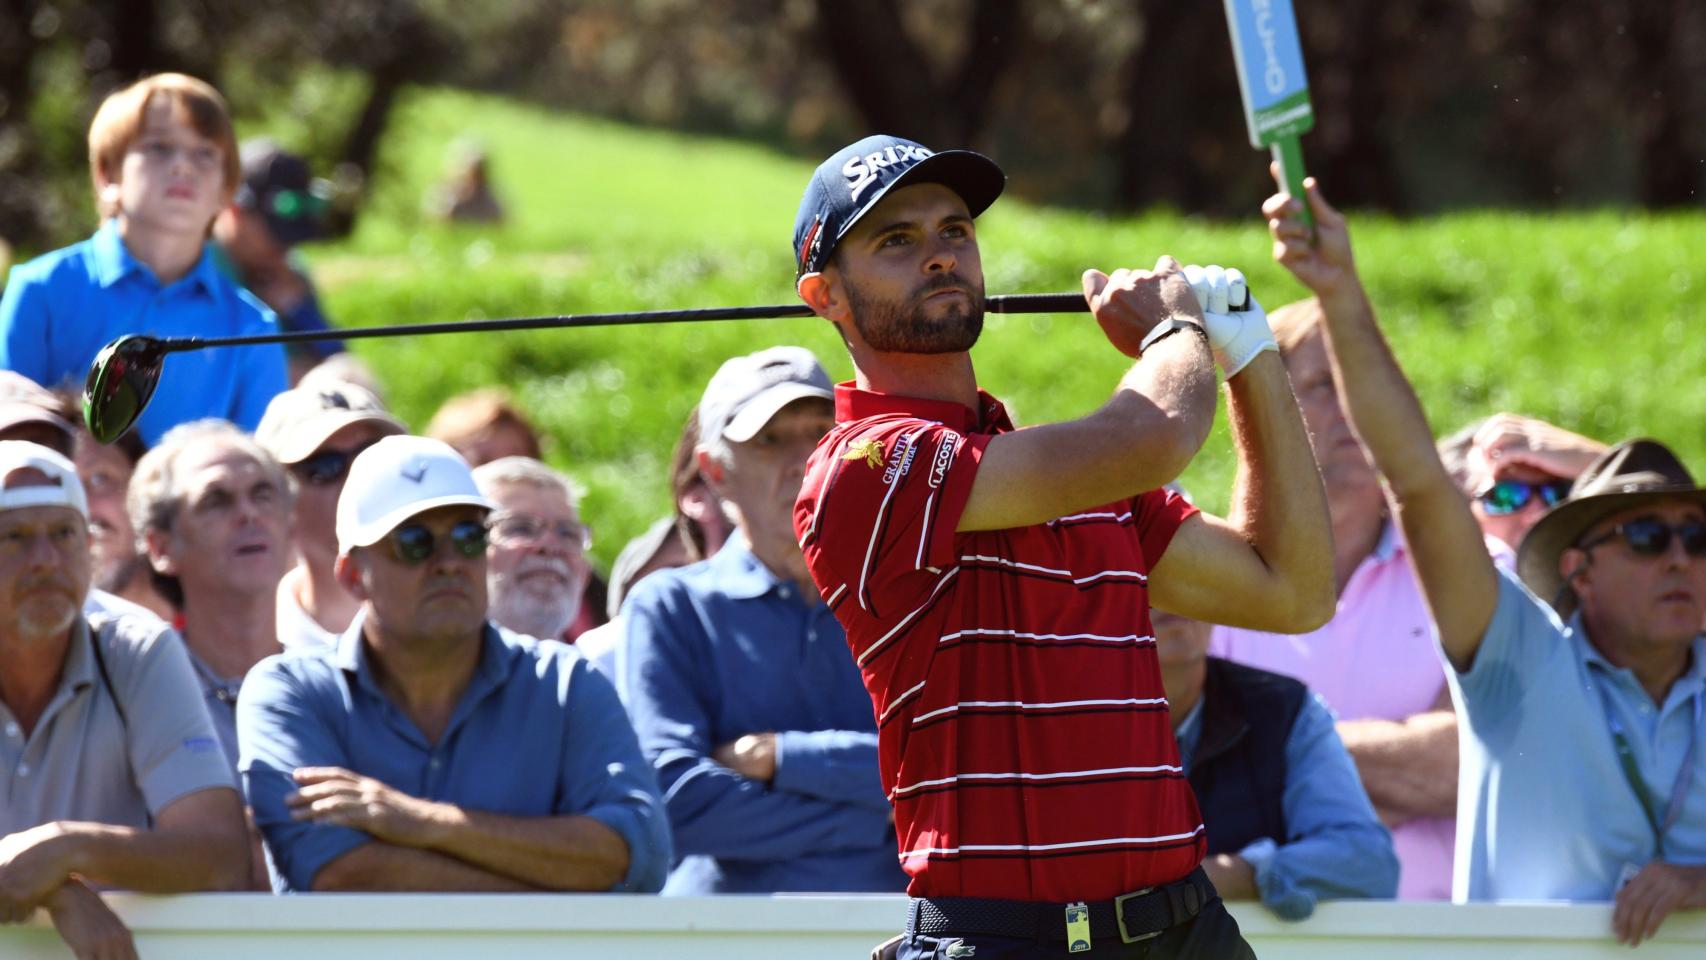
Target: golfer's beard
891	326
527	612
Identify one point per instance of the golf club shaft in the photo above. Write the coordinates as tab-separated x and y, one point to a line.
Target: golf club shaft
1010	303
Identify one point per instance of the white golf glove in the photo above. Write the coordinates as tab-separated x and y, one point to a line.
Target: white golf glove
1236	324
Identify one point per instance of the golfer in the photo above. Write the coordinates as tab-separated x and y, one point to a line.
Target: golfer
995	583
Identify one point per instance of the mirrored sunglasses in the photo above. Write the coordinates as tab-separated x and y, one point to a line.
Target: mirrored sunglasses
1509	496
1650	536
414	543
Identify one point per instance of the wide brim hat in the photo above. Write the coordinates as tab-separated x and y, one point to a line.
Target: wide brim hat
1631	474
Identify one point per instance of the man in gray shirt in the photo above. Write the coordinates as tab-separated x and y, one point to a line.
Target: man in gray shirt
109	768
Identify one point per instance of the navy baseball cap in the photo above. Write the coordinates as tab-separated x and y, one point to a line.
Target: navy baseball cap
847	185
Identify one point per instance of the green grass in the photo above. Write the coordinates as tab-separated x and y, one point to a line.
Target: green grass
1589	320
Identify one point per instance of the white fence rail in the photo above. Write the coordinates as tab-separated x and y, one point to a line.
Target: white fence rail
374	926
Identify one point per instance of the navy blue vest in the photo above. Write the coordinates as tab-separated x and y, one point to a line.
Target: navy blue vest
1238	767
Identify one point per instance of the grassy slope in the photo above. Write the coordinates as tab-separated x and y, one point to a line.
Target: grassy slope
1590	320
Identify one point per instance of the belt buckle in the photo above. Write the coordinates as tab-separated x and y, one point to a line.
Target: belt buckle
1119	916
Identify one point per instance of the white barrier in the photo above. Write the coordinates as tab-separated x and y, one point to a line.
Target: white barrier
380	926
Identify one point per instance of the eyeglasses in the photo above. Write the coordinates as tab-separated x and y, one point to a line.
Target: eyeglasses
328	466
1509	496
415	543
529	528
1650	536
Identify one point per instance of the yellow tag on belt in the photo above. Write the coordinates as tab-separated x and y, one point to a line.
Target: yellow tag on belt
1077	928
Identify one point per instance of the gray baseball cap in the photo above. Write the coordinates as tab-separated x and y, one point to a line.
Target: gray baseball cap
747	391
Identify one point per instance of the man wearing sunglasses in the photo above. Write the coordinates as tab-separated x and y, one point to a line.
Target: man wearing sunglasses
1582	772
1513	469
431	749
316	432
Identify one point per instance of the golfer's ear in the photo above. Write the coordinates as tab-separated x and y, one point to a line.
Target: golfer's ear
820	293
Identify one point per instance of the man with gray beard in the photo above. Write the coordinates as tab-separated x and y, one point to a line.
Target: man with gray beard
537	562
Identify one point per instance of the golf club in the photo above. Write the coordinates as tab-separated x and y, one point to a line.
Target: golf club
125	373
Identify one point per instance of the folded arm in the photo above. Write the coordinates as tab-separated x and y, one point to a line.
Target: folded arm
1335	848
1408	766
198	842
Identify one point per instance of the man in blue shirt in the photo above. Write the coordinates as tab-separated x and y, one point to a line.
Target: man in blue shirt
163	161
738	677
430	749
1287	819
1581	775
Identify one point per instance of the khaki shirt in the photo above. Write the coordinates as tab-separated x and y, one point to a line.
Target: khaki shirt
82	762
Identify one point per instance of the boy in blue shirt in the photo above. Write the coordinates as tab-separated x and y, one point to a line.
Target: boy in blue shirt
164	162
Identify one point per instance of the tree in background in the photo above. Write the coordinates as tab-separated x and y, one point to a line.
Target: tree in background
1108	104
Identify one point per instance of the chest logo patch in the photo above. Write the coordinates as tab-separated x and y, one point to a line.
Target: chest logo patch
868	450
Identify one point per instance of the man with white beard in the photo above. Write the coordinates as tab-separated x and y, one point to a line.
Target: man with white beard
536	562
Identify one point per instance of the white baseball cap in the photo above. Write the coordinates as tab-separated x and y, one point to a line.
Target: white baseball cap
746	392
63	488
397	478
298	421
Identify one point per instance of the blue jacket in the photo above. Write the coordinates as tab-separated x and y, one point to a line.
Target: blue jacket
724	648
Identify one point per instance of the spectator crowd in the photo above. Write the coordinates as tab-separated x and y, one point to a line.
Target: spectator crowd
272	639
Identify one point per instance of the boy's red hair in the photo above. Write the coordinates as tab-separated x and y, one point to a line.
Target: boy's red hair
119	121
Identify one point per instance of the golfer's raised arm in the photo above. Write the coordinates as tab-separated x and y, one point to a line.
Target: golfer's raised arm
1451	559
1269	564
1141	439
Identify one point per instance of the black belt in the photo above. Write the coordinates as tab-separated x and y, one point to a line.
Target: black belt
1133	916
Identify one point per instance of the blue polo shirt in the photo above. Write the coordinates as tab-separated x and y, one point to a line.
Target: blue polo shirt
537	733
1544	811
724	648
61	308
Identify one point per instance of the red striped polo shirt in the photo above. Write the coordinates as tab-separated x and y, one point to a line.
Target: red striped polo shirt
1024	735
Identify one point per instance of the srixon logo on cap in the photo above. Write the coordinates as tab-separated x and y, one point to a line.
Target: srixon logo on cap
863	171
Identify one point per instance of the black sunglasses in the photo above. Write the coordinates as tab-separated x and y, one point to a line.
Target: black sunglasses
1650	536
414	543
328	466
1509	496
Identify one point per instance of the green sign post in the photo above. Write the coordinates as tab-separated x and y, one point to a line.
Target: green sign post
1276	92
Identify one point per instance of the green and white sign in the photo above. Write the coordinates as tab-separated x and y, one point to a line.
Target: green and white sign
1270	75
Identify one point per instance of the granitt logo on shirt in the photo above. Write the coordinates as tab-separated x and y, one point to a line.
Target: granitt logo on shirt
904	448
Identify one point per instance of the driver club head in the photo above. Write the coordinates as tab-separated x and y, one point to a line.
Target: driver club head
121	382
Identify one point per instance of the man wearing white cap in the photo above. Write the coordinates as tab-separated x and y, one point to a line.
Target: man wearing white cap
108	762
738	676
315	431
431	749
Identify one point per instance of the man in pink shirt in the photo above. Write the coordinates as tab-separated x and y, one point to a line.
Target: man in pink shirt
1374	662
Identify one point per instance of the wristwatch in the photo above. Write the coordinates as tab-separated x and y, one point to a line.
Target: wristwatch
1170	325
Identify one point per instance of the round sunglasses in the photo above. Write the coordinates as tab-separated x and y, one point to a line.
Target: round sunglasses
416	543
1650	536
1509	496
